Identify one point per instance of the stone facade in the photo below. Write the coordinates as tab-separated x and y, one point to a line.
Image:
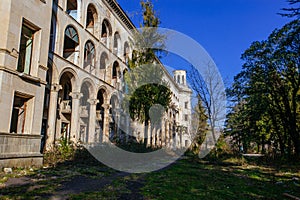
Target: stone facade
62	65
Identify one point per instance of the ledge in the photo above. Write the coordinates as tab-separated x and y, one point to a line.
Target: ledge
18	135
20	155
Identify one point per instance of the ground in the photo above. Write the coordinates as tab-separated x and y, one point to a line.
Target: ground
188	178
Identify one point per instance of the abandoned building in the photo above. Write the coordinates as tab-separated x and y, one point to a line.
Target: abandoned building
62	62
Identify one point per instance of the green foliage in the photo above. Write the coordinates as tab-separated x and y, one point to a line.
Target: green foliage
266	95
199	120
64	150
293	11
144	81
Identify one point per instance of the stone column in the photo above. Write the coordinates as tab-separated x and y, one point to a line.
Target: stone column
92	120
149	135
163	134
106	122
75	115
52	115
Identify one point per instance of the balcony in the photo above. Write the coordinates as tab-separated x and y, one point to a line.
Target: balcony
84	112
98	115
65	106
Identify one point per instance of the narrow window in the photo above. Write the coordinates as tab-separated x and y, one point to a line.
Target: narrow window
117	41
106	31
115	70
89	54
25	51
103	60
183	79
186	105
18	114
91	18
186	117
70	43
178	79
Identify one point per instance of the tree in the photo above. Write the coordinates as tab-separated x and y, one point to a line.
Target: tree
293	11
145	79
210	92
199	126
269	90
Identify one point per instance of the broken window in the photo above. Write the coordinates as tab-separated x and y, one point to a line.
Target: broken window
71	41
91	18
72	8
25	50
89	55
18	114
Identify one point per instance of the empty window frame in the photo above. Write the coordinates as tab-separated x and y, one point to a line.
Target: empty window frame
25	49
115	69
18	117
103	60
186	117
89	54
91	18
186	104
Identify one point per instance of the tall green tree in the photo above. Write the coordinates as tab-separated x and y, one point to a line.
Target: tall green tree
269	89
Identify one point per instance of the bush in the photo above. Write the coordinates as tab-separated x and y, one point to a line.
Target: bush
64	150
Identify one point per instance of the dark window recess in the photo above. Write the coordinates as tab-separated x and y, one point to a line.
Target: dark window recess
18	115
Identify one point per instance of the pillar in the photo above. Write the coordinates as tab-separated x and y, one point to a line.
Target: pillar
75	115
92	120
106	122
52	115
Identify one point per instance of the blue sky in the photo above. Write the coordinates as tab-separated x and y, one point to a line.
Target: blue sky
225	28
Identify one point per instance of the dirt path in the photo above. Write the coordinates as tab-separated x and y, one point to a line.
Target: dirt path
77	184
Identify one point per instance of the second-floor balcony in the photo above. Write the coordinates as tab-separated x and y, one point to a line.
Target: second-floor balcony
65	106
84	112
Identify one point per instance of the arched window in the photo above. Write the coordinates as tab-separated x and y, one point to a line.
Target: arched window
72	8
103	60
178	79
115	70
71	42
183	79
117	43
91	18
89	55
126	52
106	32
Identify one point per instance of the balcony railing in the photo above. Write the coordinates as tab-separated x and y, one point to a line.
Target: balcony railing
65	106
84	112
98	115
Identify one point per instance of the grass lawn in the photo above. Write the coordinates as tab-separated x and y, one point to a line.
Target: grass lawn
188	178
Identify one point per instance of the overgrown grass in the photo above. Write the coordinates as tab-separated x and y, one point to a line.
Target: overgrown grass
231	179
189	178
